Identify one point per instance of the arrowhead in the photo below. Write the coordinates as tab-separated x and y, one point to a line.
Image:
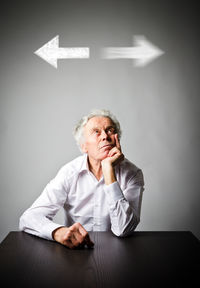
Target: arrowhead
149	52
48	51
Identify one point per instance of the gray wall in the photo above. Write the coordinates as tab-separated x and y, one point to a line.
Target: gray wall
158	105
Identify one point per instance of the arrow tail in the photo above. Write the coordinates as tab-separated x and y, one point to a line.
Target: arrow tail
120	53
71	53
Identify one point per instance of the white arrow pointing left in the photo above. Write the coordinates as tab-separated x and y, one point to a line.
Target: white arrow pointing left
51	52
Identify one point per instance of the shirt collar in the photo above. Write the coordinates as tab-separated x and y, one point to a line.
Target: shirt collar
84	166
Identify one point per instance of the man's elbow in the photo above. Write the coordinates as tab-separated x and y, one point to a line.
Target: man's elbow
22	222
127	230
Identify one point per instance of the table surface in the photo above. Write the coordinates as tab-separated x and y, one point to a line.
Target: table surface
145	259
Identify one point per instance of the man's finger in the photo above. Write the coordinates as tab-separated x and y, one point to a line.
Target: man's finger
117	142
89	242
68	243
75	241
113	151
78	236
86	236
81	229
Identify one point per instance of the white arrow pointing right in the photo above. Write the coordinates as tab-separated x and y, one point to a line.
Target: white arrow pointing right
143	53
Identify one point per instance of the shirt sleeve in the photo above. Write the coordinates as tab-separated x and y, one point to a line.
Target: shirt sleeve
37	219
125	206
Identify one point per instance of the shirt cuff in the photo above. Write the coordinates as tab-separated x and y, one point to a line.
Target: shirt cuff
48	229
113	192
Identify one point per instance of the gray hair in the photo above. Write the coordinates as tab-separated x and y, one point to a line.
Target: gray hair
78	129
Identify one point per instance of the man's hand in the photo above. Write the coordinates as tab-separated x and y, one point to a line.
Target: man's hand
114	157
73	237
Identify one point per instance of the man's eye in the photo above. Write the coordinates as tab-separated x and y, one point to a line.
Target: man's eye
111	130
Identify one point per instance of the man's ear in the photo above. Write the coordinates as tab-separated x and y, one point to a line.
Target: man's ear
84	148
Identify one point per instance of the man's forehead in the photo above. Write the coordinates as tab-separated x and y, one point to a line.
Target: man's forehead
99	122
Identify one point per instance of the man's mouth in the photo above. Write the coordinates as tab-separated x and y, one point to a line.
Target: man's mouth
107	146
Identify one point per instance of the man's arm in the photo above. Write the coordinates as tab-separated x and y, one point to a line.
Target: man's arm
37	220
124	205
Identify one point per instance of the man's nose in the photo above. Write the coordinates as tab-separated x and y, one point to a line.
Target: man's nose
104	135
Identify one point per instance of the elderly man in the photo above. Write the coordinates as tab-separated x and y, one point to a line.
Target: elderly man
99	191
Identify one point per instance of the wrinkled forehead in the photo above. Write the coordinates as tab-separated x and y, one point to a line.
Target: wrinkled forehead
99	122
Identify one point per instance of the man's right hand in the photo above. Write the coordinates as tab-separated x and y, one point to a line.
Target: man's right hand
74	236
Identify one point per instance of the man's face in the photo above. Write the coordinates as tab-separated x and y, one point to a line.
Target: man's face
99	138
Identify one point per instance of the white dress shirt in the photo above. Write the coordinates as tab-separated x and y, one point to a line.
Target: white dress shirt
92	203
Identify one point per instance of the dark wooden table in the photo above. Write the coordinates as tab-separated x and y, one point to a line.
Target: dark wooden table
146	259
